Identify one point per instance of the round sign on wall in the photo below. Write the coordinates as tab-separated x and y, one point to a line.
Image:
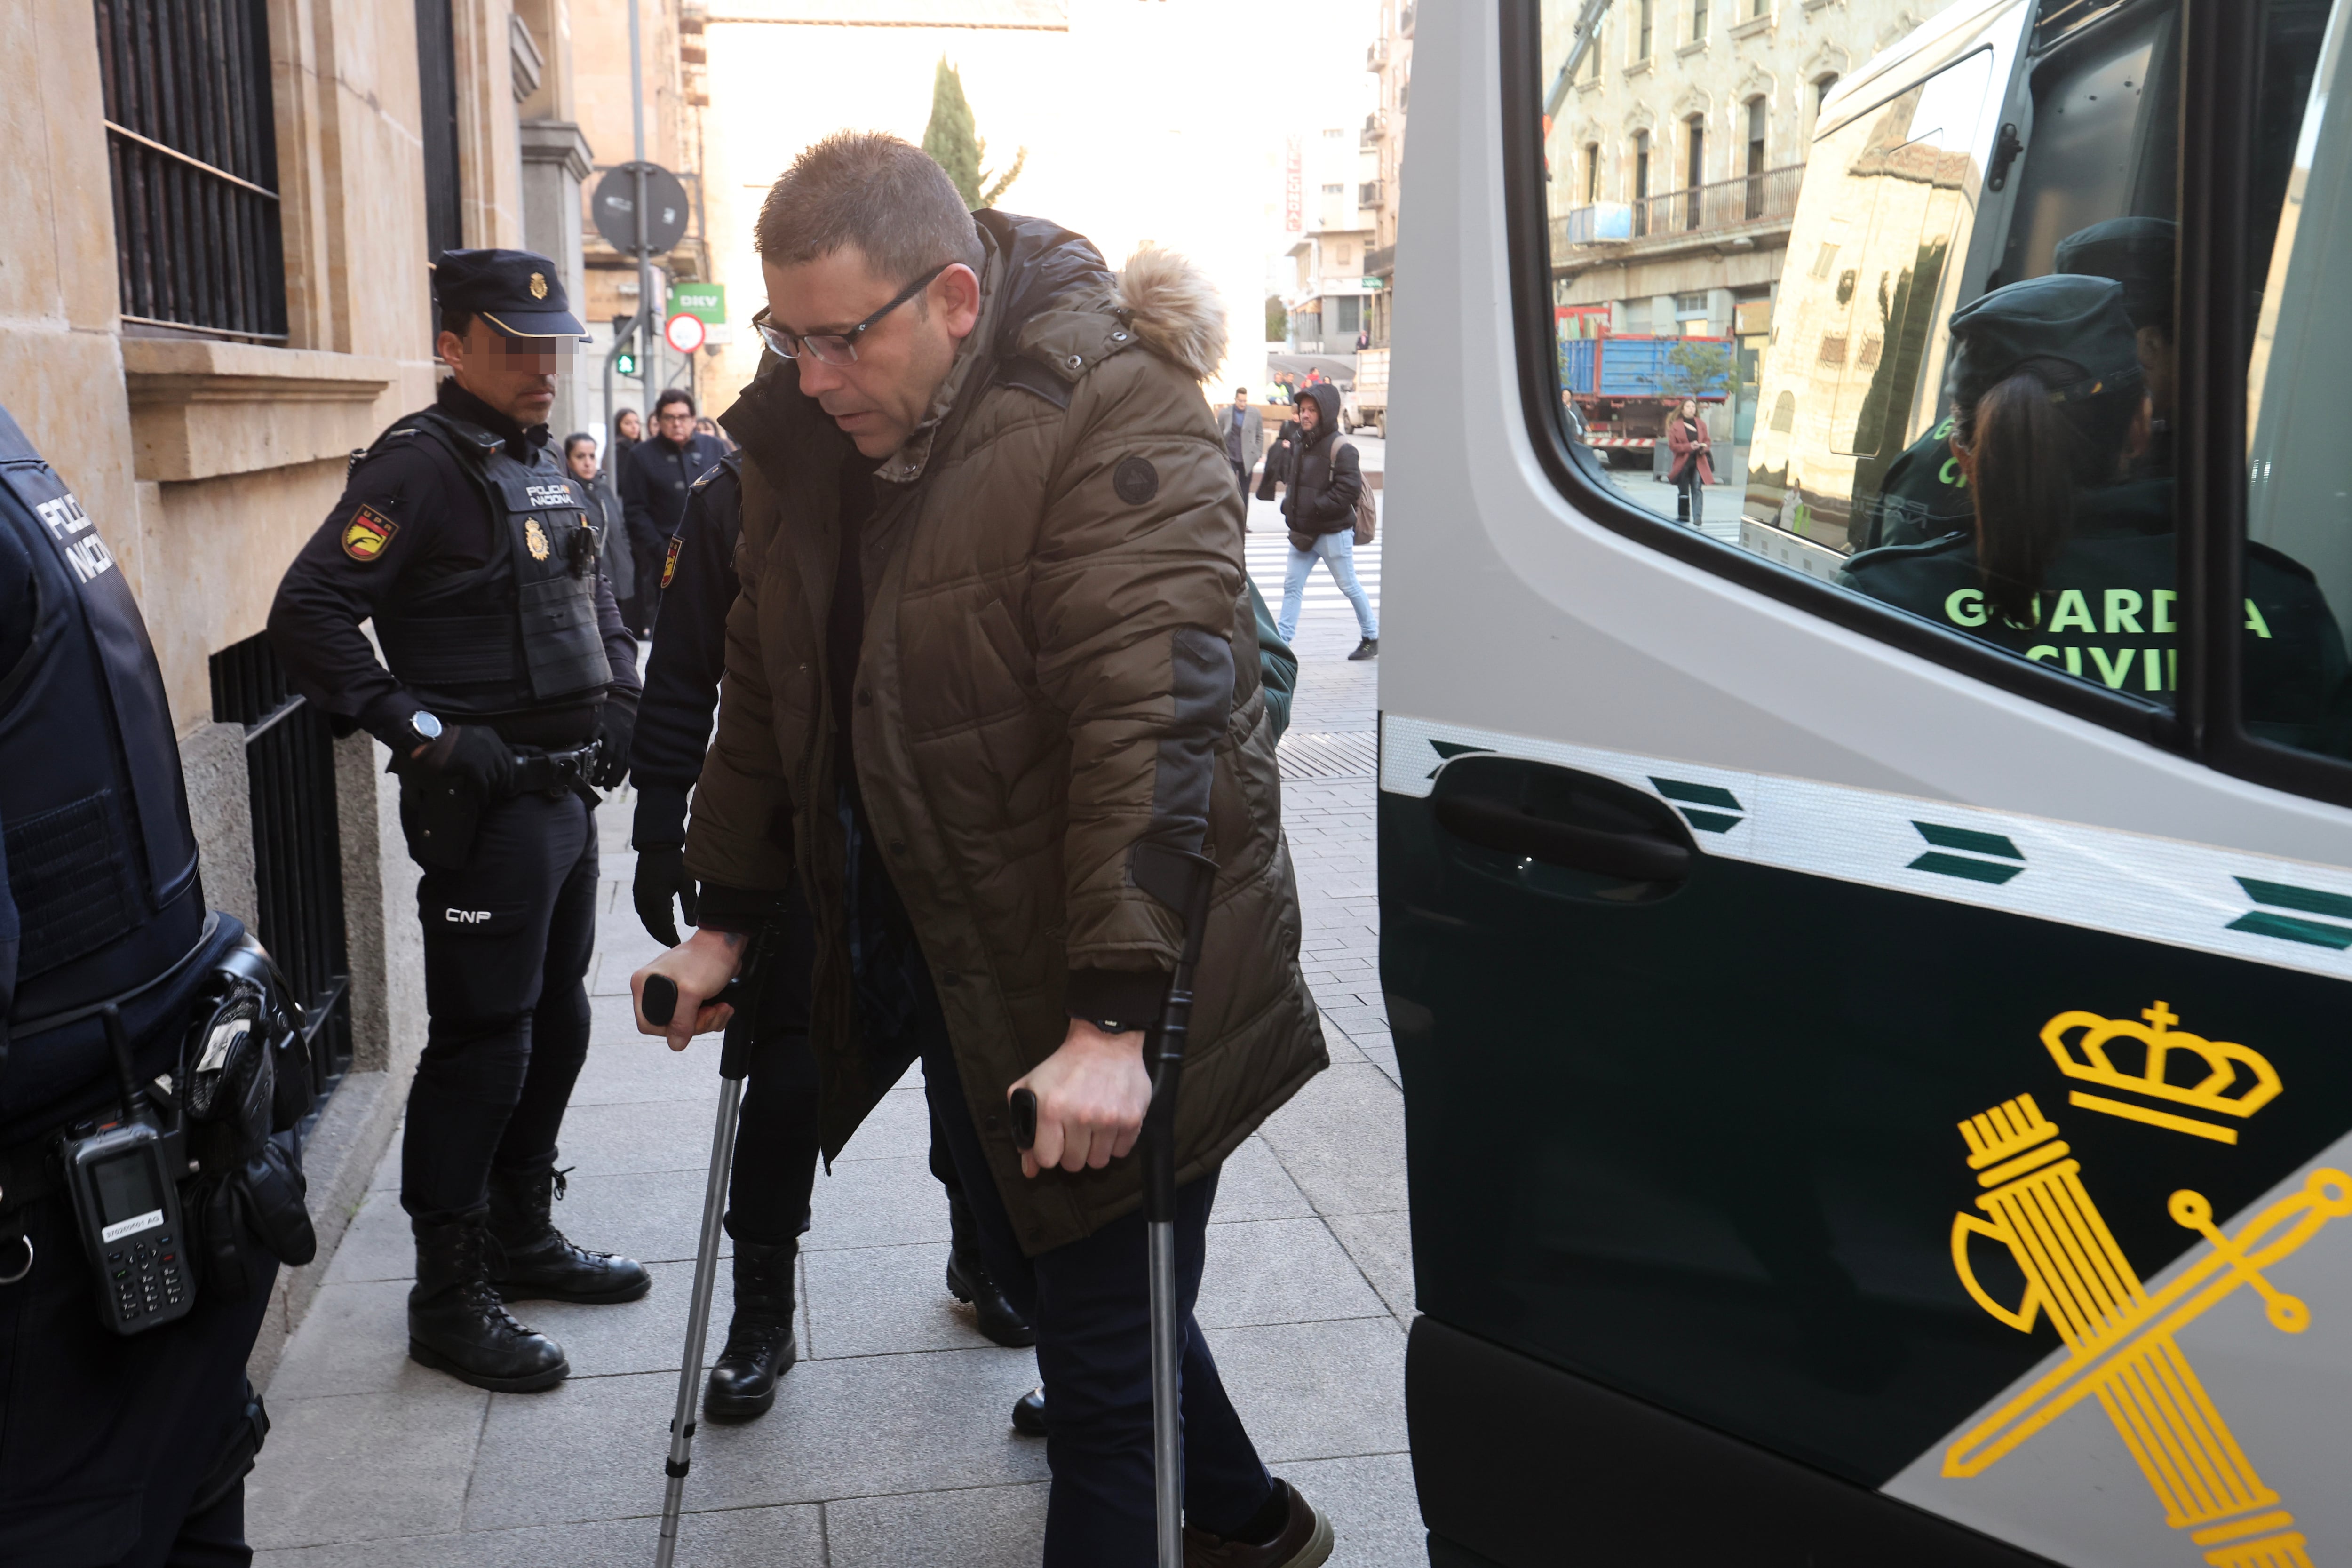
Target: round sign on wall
683	332
616	209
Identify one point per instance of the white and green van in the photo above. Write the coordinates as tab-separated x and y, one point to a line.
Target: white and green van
1879	1092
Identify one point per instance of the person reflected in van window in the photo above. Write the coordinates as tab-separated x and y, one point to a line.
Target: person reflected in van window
1925	494
2071	560
2138	253
1693	464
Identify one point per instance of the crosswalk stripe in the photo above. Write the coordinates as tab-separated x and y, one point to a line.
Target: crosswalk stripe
1267	555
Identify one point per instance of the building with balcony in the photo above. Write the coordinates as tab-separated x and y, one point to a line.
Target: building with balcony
1675	153
1383	137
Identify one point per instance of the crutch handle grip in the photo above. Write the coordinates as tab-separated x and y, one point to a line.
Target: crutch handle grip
660	1000
1023	1108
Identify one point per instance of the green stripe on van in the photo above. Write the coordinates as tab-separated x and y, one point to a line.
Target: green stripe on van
2262	922
2310	901
1966	839
1697	794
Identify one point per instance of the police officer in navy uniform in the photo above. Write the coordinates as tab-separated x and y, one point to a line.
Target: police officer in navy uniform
510	696
2073	562
777	1149
117	1445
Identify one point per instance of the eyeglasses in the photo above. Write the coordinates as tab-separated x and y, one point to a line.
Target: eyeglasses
838	348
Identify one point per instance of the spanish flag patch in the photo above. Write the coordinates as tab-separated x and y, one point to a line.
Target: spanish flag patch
365	536
669	562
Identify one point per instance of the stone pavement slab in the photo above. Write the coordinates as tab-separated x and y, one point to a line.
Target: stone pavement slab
888	1444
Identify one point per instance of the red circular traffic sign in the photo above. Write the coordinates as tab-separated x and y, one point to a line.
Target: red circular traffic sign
684	332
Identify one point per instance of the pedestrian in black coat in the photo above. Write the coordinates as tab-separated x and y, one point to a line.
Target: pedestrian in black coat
655	480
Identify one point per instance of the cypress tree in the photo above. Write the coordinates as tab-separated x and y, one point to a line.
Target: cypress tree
955	143
950	138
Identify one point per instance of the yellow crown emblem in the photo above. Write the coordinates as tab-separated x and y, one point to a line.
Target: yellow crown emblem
2237	1081
539	284
534	538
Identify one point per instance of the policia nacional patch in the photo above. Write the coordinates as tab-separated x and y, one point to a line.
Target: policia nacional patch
365	536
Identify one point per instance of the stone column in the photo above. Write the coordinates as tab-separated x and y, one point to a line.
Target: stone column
555	160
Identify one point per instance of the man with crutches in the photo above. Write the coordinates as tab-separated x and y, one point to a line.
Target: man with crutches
981	688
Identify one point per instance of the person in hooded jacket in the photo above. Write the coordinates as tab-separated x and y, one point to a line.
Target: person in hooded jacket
983	689
1319	503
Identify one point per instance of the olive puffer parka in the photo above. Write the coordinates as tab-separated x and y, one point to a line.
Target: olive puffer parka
1055	672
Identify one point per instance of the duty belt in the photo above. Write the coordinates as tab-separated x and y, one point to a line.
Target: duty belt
553	772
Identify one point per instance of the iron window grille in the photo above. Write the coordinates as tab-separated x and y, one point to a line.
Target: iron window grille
192	148
298	867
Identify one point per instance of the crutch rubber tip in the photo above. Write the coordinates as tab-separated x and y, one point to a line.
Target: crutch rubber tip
660	1001
1024	1107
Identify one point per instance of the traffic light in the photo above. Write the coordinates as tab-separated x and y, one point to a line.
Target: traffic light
625	331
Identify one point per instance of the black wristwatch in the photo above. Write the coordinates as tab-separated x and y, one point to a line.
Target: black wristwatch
1113	1025
425	727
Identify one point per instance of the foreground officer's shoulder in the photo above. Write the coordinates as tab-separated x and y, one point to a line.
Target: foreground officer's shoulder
1893	571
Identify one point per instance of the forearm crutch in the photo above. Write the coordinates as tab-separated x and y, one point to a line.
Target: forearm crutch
660	1004
1183	881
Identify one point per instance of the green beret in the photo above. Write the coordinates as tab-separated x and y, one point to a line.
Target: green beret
2065	317
2137	252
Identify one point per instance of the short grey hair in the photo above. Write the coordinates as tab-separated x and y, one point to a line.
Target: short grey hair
871	190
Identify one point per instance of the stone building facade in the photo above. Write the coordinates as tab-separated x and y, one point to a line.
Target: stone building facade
200	320
1676	152
1391	59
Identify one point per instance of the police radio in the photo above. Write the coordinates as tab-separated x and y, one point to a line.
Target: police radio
123	1177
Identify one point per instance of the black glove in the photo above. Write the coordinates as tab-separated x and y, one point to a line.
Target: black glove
661	876
473	756
614	725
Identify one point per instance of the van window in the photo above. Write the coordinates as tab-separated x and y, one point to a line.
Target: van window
2036	512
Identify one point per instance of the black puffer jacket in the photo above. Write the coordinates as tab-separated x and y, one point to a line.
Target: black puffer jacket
1325	480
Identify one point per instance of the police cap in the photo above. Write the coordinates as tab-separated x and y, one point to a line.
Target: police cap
2067	316
2137	252
518	292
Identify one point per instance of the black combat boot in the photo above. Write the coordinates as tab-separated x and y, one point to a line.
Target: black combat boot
968	1281
534	1262
457	1323
760	1348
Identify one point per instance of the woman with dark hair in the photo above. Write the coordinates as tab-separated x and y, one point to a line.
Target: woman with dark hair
2068	559
605	517
1694	464
628	430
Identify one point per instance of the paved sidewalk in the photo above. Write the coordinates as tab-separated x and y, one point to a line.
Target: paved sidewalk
888	1443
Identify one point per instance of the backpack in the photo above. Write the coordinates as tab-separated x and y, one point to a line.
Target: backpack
1367	514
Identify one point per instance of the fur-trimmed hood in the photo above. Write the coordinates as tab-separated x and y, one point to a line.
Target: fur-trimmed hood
1176	311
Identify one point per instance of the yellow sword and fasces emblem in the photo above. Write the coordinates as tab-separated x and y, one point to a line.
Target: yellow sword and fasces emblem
2120	1336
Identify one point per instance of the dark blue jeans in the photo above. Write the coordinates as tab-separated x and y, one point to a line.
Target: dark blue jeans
1090	1303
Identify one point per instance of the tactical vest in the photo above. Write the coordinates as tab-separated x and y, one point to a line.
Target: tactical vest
100	859
520	632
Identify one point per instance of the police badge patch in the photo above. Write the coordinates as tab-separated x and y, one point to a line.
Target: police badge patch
365	536
538	286
669	562
534	538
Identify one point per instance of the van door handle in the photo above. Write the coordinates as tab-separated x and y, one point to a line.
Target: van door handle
1491	824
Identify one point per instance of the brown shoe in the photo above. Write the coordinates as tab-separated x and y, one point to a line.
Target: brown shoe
1303	1541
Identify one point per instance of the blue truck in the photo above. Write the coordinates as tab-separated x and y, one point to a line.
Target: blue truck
1623	388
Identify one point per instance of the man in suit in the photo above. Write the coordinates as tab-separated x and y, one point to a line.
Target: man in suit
1242	429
